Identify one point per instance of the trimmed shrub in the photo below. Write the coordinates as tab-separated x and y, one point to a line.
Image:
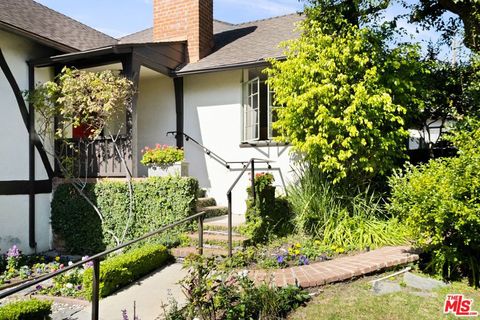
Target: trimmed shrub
124	269
157	201
270	216
26	310
440	202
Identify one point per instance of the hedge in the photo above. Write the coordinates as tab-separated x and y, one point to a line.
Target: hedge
26	310
157	202
126	268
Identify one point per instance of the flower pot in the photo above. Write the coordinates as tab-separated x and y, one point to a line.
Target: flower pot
177	169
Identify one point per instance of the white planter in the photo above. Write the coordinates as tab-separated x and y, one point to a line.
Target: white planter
176	169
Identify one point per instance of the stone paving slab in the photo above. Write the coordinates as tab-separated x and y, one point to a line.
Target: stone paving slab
148	293
339	269
222	221
217	237
186	251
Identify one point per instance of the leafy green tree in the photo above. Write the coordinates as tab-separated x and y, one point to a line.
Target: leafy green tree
430	13
346	93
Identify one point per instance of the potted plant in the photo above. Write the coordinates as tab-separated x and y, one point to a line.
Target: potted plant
164	161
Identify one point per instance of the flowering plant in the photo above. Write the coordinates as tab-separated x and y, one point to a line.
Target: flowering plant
263	179
161	155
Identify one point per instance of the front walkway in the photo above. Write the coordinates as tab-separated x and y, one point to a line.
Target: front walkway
148	294
339	269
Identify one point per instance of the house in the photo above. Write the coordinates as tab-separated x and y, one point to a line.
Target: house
196	77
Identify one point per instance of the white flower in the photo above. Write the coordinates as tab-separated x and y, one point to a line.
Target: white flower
243	274
70	263
69	285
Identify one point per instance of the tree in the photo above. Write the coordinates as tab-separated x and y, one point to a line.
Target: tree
345	94
77	98
429	13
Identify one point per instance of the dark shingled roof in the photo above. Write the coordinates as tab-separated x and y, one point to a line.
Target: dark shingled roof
146	36
237	44
42	23
248	43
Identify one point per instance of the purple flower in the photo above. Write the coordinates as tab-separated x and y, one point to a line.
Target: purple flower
13	252
79	287
280	259
88	264
303	261
124	315
39	287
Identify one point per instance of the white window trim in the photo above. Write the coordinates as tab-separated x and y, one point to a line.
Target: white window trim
247	107
270	108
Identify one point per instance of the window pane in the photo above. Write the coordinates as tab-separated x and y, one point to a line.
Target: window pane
251	111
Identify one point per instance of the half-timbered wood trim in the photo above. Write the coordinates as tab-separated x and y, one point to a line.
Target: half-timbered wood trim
24	113
23	187
179	109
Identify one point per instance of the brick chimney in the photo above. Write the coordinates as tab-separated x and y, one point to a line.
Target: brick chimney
190	20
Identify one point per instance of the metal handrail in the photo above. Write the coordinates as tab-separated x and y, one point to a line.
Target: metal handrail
207	151
251	164
96	262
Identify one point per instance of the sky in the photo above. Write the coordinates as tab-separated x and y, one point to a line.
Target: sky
121	17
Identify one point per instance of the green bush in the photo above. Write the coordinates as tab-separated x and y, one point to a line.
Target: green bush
336	218
270	216
440	202
217	294
157	202
124	269
26	310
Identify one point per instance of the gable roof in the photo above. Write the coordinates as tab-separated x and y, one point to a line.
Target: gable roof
247	43
237	44
45	25
146	36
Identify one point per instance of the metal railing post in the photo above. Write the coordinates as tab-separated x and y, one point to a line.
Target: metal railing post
200	235
230	240
96	289
252	164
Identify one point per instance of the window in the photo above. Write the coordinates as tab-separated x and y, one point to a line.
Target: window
259	110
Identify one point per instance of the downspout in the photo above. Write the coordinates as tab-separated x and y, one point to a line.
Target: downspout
31	161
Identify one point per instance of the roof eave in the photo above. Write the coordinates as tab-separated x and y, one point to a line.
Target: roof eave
227	67
42	40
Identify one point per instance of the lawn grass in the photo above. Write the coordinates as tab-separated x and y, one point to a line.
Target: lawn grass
355	300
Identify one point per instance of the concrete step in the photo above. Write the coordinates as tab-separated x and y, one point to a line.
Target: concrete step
183	252
222	221
205	202
220	238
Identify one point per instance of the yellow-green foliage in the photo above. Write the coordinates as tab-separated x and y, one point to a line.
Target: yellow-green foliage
345	95
124	269
26	310
440	202
79	97
161	155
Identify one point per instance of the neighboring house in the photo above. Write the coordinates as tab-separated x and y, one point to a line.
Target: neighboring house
194	75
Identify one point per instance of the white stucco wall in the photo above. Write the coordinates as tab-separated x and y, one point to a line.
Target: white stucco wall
213	109
14	145
156	113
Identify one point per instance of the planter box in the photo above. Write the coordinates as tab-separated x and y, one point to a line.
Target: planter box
176	169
